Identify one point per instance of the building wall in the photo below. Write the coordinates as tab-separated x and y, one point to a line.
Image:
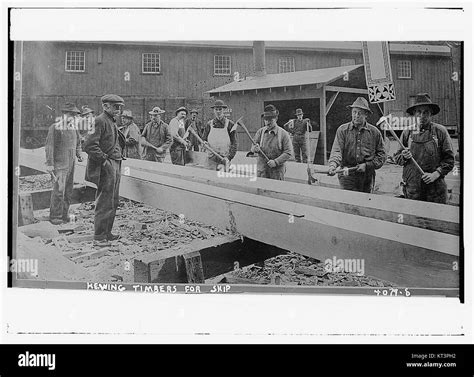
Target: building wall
186	74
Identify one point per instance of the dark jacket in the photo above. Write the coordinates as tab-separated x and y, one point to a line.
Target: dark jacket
100	145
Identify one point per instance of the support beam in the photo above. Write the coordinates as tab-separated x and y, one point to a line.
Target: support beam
42	198
331	102
322	122
343	89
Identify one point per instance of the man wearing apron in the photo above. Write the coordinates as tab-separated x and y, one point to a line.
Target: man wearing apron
432	149
221	137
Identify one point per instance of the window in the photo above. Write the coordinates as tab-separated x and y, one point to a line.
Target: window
345	62
286	64
75	61
404	69
221	65
151	62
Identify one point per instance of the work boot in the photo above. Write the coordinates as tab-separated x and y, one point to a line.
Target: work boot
112	237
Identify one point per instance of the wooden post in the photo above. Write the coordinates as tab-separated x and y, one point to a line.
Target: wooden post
322	122
194	269
25	209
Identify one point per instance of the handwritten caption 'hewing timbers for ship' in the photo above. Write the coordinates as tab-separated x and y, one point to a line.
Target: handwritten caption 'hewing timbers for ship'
156	288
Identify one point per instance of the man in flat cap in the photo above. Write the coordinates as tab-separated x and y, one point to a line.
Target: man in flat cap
62	147
156	137
298	128
221	136
432	149
197	126
105	147
178	147
357	144
275	144
131	132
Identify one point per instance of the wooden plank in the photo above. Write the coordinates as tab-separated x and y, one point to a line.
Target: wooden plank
424	215
42	198
346	90
194	269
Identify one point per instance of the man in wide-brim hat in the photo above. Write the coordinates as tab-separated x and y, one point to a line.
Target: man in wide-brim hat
431	147
275	143
62	147
357	144
298	128
156	137
221	135
132	135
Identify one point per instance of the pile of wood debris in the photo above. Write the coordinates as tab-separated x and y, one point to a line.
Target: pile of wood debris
296	269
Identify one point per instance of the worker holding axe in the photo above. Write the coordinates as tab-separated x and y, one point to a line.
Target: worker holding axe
273	145
426	153
358	145
221	138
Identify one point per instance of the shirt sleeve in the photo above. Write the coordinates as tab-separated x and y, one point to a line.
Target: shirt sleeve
78	144
168	138
49	147
233	140
91	143
398	158
287	149
380	156
256	139
447	152
335	159
206	132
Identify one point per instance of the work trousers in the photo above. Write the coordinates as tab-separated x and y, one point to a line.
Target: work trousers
177	156
362	182
436	192
299	147
61	194
107	198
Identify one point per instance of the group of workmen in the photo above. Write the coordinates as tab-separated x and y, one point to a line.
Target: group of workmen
357	151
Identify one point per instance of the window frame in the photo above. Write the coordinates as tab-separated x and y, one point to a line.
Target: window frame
66	61
143	63
280	61
399	70
230	65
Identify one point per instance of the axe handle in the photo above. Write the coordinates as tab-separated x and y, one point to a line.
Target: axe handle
401	144
251	139
191	130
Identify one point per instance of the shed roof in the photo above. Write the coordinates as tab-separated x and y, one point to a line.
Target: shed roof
279	80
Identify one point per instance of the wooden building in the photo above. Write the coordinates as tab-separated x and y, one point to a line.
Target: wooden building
173	74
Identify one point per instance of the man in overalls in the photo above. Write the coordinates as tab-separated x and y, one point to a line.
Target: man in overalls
275	143
298	128
221	136
195	124
156	137
432	149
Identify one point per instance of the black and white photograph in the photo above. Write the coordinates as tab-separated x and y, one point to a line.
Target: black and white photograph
234	156
165	162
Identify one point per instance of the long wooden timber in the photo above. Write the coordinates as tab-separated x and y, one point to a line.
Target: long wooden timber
406	255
